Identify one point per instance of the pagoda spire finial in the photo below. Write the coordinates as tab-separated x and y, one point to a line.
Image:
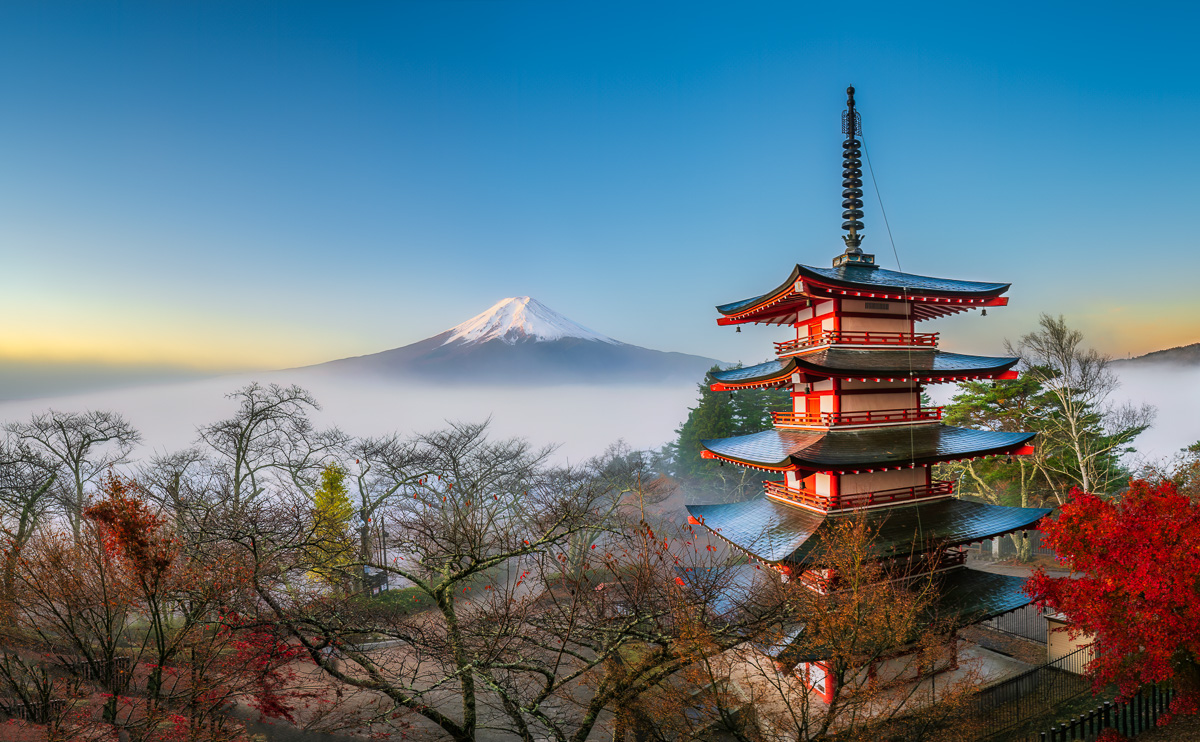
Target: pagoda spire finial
852	187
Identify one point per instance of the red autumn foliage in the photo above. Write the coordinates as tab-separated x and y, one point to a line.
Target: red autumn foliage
1139	589
132	528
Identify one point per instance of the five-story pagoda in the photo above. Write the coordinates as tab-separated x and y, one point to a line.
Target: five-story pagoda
858	439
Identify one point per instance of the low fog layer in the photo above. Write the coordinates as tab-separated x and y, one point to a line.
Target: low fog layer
583	419
1173	389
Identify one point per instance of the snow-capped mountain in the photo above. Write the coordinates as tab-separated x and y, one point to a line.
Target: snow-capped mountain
520	318
519	340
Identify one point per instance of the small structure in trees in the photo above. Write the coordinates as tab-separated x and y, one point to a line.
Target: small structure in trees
858	440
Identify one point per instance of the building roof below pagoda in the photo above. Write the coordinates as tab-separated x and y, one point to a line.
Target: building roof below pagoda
863	449
871	282
965	596
844	363
782	534
969	596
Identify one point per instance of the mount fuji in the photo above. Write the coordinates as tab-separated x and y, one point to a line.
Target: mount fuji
519	340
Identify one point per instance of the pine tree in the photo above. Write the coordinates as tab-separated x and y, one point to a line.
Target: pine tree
722	415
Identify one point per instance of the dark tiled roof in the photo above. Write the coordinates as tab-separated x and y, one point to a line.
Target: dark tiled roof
877	278
965	596
734	307
857	276
841	362
775	532
866	448
752	373
968	596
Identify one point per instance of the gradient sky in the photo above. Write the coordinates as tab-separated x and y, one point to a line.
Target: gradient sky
233	185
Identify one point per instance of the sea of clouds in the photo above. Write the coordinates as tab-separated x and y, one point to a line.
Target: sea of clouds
580	419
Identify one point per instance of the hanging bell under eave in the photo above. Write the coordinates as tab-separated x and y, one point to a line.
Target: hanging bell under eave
738	329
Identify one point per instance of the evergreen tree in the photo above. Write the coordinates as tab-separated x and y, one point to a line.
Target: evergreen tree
1016	405
332	512
722	415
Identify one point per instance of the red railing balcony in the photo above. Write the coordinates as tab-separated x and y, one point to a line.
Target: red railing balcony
863	418
811	499
857	337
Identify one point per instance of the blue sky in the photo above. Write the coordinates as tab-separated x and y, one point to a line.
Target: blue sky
255	185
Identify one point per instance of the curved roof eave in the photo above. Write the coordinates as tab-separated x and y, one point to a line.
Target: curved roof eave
737	307
868	364
781	534
852	277
863	449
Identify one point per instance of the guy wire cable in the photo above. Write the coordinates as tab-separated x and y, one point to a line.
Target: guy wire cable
912	445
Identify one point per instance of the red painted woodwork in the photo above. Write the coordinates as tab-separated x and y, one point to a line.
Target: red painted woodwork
811	499
812	419
853	337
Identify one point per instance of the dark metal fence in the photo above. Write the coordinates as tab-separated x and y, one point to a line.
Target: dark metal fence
1028	622
38	711
1130	718
1022	698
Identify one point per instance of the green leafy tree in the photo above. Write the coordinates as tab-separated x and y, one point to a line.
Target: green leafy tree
1087	434
332	511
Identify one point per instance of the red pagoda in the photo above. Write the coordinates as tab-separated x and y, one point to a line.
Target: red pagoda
858	439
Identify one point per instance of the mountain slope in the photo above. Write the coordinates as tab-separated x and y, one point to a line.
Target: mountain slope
519	340
1183	355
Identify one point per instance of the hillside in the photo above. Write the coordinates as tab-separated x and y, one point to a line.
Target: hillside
1183	355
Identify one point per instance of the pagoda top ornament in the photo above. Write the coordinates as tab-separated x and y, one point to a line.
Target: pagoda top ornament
852	188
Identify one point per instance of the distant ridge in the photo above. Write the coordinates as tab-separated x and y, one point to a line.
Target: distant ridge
519	340
1181	355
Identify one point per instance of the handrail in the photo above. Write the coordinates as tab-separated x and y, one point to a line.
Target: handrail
860	417
857	337
858	499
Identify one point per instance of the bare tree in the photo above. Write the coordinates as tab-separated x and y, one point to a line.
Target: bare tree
26	479
1088	426
384	467
270	433
85	443
501	626
485	510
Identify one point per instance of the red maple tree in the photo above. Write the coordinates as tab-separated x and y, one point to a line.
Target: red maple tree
1137	588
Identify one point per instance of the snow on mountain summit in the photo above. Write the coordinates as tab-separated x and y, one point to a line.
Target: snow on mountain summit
520	318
